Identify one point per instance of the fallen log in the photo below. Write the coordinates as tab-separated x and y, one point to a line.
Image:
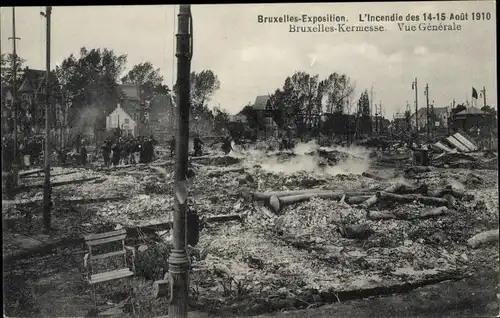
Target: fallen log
262	196
406	189
220	172
371	201
407	198
483	238
161	288
277	203
380	215
64	201
372	176
459	194
30	172
357	199
54	184
433	212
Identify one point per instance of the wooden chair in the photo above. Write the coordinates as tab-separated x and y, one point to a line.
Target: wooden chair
93	278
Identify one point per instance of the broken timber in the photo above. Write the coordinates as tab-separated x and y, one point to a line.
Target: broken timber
40	185
407	198
30	172
220	172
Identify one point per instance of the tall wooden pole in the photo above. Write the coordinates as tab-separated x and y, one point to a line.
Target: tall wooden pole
428	111
14	90
415	87
371	109
47	187
178	261
490	125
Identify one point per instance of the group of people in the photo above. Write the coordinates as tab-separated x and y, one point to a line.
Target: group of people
198	146
29	151
128	150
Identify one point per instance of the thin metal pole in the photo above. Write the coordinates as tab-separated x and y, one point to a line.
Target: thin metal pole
47	187
428	111
178	261
416	105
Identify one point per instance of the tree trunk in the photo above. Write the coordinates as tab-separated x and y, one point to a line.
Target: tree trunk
276	204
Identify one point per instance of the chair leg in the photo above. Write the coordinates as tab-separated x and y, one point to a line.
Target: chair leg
131	288
95	298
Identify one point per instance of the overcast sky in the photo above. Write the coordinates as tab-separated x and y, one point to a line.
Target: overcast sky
254	59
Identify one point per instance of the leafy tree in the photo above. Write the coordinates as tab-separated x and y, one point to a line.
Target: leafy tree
339	90
253	120
90	81
364	104
148	78
7	74
279	110
221	119
203	86
489	110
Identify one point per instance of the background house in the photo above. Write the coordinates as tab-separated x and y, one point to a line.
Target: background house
470	120
257	117
120	118
126	115
32	101
161	118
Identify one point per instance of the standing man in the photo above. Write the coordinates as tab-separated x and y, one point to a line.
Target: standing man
226	146
172	147
83	154
197	145
106	151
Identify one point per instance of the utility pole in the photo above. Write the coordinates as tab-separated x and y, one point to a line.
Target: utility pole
426	92
407	117
14	91
433	119
490	126
178	261
381	120
371	106
415	87
47	200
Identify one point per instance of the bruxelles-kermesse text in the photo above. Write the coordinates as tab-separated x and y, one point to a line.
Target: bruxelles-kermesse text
341	27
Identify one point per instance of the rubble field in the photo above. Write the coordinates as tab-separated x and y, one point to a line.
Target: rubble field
324	247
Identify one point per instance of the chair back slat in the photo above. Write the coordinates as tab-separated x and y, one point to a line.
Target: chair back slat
106	255
91	237
106	240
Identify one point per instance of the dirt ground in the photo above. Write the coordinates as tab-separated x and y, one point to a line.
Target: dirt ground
257	265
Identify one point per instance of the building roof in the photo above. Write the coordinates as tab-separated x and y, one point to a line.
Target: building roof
161	104
130	108
34	80
441	110
423	111
261	102
471	111
130	91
